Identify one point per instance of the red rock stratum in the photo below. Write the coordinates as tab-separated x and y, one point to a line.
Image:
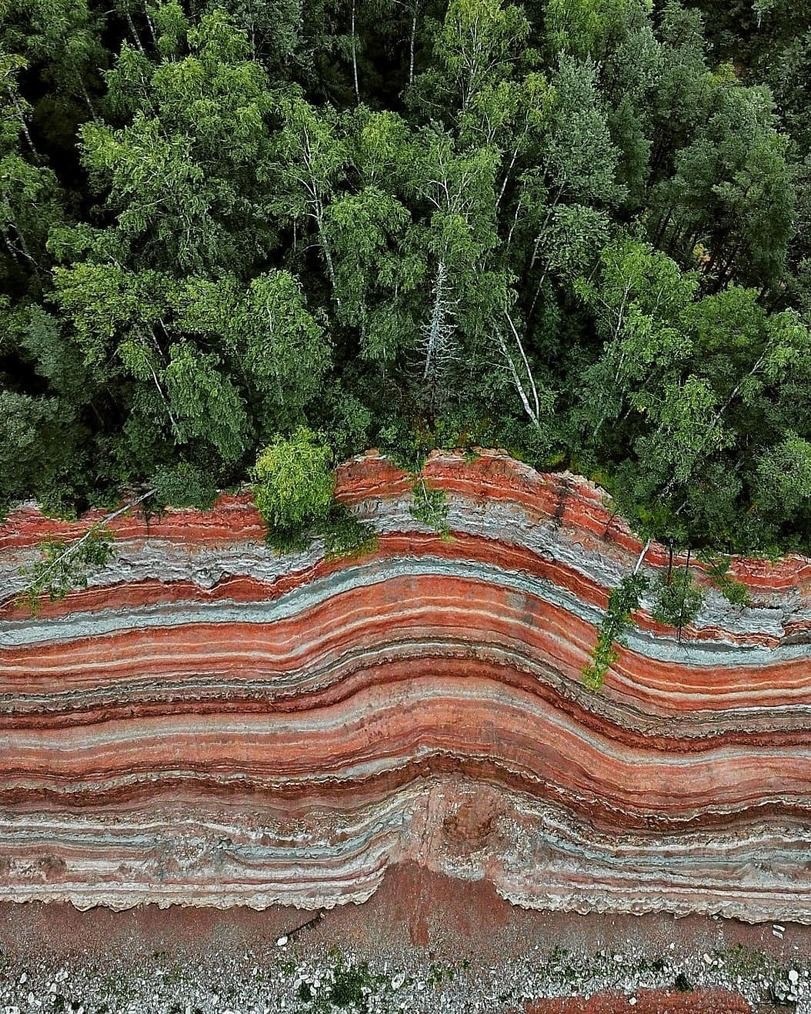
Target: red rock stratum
210	723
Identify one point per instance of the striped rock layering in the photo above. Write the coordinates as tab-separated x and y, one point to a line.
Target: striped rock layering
210	723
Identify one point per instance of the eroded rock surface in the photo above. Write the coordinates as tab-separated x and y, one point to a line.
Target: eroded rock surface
209	723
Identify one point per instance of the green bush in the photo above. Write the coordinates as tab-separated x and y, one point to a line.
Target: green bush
294	486
678	599
184	485
347	537
616	623
430	506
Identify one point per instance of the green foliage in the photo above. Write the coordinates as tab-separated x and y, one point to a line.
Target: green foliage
345	536
586	27
734	591
677	599
205	404
64	566
294	485
184	485
784	479
39	445
429	505
623	600
576	229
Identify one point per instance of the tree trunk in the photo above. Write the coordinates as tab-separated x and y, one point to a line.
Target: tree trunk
532	408
642	555
518	206
438	331
325	248
664	222
151	25
71	549
88	100
24	127
411	46
134	32
354	56
684	595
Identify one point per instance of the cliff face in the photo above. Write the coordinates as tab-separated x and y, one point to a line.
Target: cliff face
212	724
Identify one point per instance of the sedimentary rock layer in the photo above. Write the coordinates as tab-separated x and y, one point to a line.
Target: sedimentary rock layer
210	723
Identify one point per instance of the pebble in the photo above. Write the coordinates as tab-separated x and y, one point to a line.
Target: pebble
282	941
272	983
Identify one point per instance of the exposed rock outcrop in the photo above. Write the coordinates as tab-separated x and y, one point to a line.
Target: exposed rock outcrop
209	723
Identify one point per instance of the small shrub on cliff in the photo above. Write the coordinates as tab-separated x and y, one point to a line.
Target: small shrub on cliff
294	487
345	536
64	566
678	600
430	506
621	603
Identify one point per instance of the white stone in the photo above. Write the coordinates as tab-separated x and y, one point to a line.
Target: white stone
282	941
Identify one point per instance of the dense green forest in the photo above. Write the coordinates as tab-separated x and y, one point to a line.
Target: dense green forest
576	229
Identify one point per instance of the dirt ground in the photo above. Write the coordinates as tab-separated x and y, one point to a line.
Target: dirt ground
706	1001
414	910
415	919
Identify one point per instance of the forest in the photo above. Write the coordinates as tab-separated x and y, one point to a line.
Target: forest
242	235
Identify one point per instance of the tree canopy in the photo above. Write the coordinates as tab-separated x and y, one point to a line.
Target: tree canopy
247	239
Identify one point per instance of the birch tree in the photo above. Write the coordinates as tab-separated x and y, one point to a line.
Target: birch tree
181	176
459	190
309	159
